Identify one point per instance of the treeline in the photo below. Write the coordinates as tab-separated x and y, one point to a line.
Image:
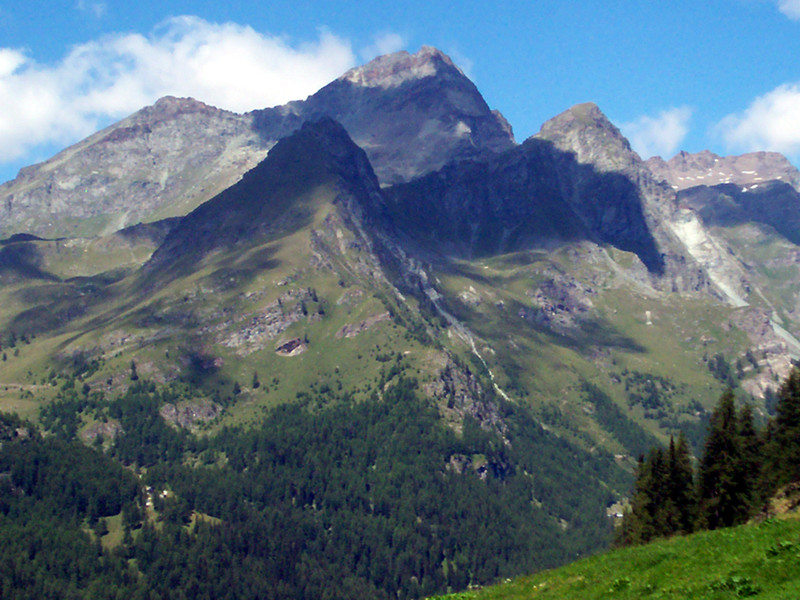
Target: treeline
740	470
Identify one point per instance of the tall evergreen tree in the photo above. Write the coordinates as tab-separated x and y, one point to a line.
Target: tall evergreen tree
723	488
663	500
681	485
638	522
786	447
752	456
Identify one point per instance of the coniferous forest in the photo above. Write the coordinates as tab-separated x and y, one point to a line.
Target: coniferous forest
740	470
326	498
332	498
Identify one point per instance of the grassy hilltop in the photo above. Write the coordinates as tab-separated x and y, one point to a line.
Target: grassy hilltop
756	560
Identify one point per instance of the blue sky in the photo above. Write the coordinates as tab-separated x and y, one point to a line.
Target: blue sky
722	75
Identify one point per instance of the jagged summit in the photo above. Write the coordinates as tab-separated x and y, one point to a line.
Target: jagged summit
412	114
686	170
392	70
584	130
167	106
584	115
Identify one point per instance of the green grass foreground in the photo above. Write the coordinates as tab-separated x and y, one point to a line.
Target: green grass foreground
759	561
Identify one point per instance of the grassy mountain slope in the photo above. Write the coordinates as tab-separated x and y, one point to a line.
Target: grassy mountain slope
758	560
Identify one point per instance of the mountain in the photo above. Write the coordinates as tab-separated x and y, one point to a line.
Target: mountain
686	170
565	253
740	220
160	162
410	113
284	309
167	159
364	299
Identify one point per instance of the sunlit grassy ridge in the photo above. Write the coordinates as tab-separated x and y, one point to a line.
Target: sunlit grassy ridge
758	560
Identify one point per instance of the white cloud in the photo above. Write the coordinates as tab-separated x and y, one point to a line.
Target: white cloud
660	135
385	43
227	65
98	9
771	122
791	8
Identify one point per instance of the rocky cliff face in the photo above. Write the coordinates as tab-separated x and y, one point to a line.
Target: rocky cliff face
410	113
577	179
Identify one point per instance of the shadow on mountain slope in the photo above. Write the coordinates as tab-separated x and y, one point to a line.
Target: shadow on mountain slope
533	196
22	261
774	203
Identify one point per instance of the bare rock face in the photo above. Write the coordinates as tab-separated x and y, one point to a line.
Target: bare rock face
187	414
748	171
411	113
351	330
160	162
585	132
576	180
461	394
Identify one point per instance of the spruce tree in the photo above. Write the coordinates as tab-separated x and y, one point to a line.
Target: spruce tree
637	523
786	446
681	485
724	497
752	456
652	511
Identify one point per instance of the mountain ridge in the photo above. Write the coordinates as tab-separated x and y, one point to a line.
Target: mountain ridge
168	158
554	306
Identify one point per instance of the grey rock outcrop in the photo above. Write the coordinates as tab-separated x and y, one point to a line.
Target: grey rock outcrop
577	179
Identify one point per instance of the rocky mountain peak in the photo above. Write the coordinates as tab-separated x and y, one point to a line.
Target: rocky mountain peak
321	146
412	114
749	171
586	132
393	70
170	106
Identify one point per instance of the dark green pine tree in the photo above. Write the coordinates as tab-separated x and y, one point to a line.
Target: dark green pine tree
651	511
724	496
681	485
752	448
785	449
